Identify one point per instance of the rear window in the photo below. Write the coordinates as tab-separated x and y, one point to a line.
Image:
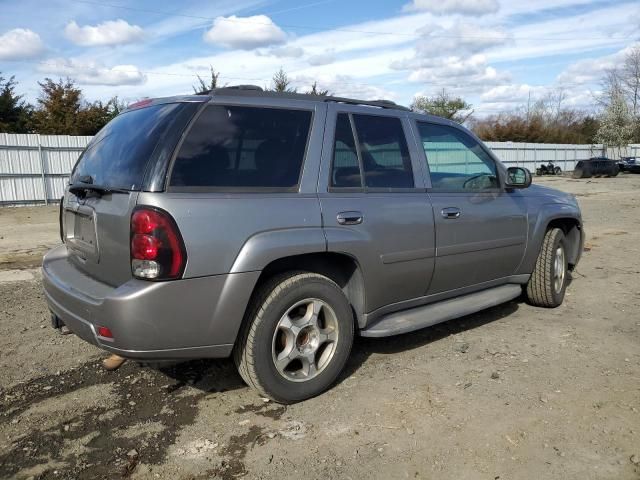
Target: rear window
243	147
118	155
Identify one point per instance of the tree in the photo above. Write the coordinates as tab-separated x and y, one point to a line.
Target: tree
93	116
15	113
281	82
315	90
630	79
203	88
58	107
443	105
616	124
62	110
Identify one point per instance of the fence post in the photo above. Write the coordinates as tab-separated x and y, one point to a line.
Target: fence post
44	180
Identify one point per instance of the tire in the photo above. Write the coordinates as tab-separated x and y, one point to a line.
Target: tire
557	171
547	285
280	319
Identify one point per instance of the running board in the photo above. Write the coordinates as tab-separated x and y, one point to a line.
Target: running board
427	315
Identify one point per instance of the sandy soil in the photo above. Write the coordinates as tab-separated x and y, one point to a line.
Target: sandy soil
514	392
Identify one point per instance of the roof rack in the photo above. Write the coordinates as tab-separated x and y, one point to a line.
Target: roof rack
373	103
254	90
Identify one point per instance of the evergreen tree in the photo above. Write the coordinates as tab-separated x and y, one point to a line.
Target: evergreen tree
15	113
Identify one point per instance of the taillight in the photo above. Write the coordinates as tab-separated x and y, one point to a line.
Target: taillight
157	249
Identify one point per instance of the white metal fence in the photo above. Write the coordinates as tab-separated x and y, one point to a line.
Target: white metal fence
35	168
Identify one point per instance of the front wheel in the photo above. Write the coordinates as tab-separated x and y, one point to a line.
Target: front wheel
296	338
548	282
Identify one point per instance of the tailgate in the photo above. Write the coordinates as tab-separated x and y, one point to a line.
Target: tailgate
96	232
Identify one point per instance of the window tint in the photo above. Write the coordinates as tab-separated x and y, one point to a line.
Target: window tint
118	155
346	169
456	161
384	151
243	147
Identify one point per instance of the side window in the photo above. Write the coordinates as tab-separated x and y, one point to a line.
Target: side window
456	161
243	147
385	155
345	171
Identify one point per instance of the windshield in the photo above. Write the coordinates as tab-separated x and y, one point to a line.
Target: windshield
118	155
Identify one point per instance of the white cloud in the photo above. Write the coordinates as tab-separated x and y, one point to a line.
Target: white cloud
324	58
591	70
606	27
91	73
19	44
344	86
462	7
460	39
245	33
111	32
286	51
456	72
513	93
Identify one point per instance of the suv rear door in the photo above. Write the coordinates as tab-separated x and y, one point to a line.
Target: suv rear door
481	228
96	227
373	203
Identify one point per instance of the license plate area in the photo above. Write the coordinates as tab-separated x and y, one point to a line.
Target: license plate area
80	232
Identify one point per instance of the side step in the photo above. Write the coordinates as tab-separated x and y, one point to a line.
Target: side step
427	315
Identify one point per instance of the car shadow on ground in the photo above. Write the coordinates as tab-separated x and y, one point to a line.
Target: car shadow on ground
220	375
364	347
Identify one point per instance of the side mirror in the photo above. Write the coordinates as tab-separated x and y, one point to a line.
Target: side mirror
518	177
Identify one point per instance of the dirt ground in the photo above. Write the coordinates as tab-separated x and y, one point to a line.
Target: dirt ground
514	392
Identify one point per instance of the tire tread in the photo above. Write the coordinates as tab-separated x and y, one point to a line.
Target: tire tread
540	288
266	294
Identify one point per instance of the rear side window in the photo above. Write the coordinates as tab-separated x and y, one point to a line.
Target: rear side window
385	155
346	168
243	147
118	155
383	151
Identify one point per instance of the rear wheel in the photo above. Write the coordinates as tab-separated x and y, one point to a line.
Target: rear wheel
296	338
548	282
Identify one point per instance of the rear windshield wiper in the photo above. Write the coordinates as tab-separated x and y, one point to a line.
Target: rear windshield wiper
82	188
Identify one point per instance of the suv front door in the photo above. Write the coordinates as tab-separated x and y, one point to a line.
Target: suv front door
373	203
481	228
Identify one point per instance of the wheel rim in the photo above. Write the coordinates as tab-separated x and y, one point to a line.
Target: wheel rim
305	340
559	269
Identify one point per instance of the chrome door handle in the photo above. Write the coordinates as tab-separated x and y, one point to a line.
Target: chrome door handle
450	213
349	218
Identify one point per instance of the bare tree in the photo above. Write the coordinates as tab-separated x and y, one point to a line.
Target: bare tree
315	90
630	79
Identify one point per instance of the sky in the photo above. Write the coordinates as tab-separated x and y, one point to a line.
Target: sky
496	54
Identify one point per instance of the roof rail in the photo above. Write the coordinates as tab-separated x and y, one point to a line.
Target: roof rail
373	103
254	90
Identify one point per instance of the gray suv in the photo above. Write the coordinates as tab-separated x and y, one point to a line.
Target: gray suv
274	227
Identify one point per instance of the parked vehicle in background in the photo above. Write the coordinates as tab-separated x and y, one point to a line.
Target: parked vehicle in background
629	164
274	227
548	169
596	167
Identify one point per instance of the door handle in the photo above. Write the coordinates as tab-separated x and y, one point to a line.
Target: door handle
349	218
451	213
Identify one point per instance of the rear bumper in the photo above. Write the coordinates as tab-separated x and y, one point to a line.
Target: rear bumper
181	319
